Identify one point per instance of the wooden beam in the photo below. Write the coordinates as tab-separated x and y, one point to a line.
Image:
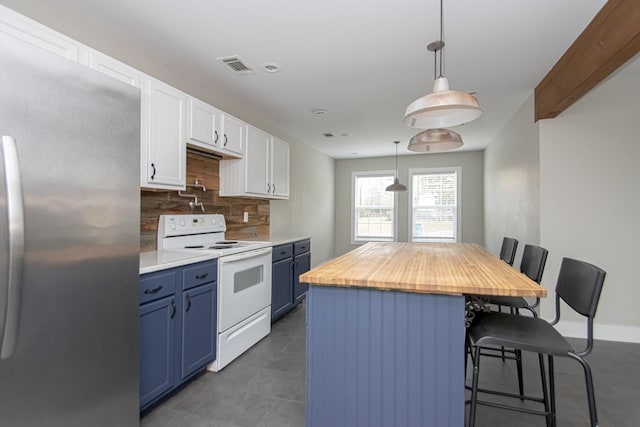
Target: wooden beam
610	40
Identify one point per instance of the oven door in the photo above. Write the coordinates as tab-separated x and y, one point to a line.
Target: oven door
244	286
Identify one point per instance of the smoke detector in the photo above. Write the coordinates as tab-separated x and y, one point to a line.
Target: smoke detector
270	67
236	64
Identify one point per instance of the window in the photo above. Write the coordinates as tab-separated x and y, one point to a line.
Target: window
374	209
435	207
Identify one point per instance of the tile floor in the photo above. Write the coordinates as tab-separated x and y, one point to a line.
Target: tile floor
265	387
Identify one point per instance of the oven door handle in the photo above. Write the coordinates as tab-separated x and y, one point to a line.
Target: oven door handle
244	255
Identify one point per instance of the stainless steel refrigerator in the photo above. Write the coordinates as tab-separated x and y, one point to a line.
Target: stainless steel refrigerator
69	243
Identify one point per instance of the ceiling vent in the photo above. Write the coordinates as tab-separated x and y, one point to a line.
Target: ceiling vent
236	64
328	135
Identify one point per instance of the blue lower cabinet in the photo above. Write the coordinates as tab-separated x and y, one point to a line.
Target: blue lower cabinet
157	337
288	263
281	287
198	328
177	332
302	264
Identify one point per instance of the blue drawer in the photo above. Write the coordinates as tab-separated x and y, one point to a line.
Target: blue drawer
199	274
157	285
281	252
301	247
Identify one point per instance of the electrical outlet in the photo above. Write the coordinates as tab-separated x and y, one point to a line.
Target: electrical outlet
246	217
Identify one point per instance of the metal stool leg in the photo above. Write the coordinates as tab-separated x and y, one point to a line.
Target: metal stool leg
591	397
545	392
519	367
552	390
502	348
474	388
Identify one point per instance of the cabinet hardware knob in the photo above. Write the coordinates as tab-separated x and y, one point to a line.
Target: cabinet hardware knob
215	134
153	290
188	302
202	276
173	309
153	174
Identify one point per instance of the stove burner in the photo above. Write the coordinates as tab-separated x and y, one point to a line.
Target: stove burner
194	247
227	242
220	247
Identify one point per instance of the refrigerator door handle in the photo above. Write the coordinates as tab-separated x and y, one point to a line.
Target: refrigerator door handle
11	284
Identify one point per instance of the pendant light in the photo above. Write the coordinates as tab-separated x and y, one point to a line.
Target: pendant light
442	107
396	186
435	141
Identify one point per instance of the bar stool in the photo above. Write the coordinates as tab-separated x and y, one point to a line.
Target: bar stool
579	285
534	259
508	250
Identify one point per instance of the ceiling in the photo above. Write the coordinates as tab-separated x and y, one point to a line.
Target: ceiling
362	61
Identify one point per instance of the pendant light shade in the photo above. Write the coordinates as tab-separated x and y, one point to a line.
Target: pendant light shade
442	108
435	141
396	186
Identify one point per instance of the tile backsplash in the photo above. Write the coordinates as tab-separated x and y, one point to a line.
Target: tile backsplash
206	170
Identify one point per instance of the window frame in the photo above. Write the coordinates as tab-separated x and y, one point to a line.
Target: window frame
356	174
435	171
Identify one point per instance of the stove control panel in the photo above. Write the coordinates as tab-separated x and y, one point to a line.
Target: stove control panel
180	225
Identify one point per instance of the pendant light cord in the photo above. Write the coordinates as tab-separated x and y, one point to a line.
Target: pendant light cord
396	160
441	33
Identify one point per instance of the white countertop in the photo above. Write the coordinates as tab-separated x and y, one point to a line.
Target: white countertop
162	260
284	239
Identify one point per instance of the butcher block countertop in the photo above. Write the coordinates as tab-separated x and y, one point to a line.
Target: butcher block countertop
434	268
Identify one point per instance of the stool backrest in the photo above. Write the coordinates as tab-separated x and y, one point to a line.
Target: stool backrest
579	285
508	250
533	261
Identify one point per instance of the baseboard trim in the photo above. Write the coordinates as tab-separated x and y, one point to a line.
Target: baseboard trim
600	332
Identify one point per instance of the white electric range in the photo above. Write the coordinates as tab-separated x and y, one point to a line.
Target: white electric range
244	279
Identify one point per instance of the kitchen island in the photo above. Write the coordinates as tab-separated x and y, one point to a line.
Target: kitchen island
385	332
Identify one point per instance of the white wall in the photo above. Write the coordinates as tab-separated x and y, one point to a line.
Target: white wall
512	183
590	203
309	210
471	163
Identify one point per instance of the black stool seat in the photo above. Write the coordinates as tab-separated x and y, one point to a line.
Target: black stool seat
515	302
522	332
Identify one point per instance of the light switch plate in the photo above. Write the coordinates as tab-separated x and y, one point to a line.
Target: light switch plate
246	217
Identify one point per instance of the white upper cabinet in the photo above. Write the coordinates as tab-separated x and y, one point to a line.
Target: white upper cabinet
31	32
109	66
257	162
203	121
163	150
262	173
212	130
279	157
232	133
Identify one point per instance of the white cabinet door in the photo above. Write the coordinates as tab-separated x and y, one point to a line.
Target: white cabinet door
163	136
111	67
256	159
202	123
233	134
28	31
279	168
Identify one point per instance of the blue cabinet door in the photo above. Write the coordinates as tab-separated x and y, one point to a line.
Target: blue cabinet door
157	333
199	316
281	287
302	265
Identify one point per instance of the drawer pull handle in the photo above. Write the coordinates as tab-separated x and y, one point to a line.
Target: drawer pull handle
202	276
173	309
153	290
188	302
283	253
215	139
